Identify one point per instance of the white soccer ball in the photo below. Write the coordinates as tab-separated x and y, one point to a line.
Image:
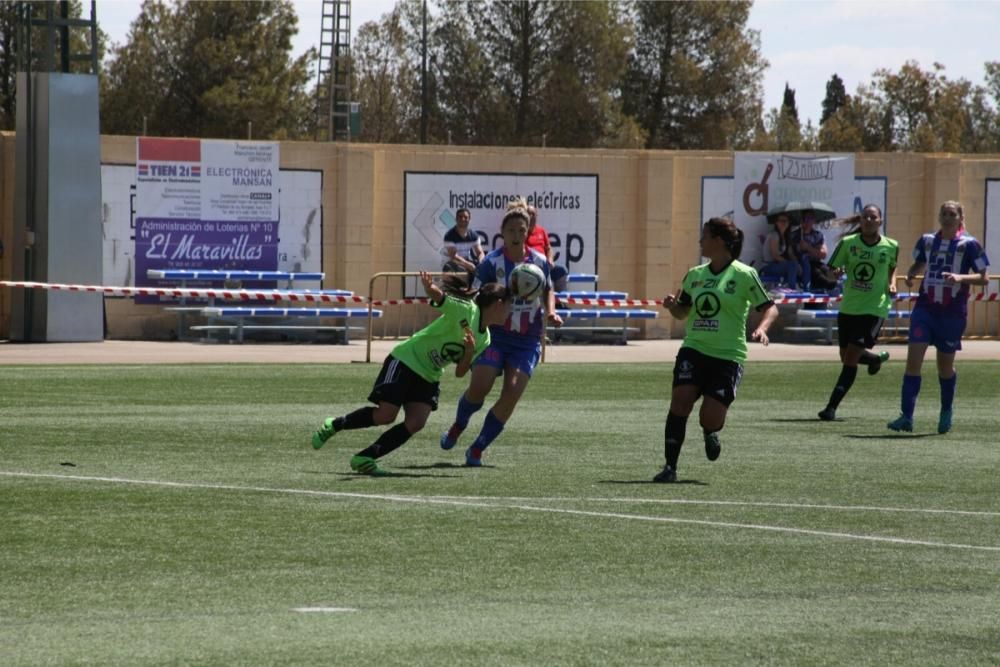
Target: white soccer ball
527	281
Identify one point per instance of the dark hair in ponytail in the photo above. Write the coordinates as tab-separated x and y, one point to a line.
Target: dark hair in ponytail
731	235
484	297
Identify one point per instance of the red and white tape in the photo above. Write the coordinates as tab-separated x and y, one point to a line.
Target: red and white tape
283	295
190	293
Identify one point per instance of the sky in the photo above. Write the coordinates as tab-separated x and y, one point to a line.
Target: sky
805	41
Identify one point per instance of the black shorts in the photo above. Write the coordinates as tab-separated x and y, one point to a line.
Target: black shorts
398	384
860	330
718	378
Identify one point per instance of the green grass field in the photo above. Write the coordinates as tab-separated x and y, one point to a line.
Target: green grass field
177	515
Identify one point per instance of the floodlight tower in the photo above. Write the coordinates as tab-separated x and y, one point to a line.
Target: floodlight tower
333	83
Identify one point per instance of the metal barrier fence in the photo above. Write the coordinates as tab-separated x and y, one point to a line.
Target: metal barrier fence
395	293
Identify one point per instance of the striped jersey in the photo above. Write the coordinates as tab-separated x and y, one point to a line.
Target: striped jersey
962	254
527	316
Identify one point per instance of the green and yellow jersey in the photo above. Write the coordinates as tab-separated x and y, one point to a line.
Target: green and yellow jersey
868	269
441	342
720	304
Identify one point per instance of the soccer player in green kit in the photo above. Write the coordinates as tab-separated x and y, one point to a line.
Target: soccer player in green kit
869	261
710	362
411	374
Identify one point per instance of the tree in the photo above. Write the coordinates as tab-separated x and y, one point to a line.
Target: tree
836	97
207	69
11	51
694	77
381	71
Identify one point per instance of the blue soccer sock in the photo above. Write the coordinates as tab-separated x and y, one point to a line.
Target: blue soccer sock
948	391
492	427
911	389
466	409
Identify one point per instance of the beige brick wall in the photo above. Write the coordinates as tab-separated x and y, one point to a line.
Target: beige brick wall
649	209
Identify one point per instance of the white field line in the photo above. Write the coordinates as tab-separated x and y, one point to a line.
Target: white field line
323	610
506	504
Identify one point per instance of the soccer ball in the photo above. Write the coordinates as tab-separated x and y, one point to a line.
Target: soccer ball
527	281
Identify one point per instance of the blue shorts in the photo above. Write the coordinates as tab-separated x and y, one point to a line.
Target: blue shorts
506	349
943	332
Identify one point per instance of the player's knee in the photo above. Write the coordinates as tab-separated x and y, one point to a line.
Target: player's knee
385	415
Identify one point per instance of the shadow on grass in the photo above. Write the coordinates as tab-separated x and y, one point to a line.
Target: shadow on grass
890	436
693	482
350	476
801	420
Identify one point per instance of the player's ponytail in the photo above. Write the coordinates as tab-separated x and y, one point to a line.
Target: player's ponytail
491	293
484	297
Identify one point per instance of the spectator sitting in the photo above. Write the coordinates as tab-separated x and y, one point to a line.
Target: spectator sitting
810	246
462	246
779	260
538	239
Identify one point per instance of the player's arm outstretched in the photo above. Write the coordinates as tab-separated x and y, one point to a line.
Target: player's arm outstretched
433	292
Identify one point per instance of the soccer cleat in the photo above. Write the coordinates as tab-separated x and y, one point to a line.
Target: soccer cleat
450	438
473	457
325	432
828	414
883	357
666	476
944	421
712	446
901	423
366	465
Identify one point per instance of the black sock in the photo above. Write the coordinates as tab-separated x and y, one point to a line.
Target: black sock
868	358
360	418
673	438
847	376
389	441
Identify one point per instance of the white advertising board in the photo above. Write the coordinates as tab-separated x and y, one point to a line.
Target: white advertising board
567	209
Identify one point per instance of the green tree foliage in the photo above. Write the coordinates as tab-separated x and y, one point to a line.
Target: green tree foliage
11	52
381	71
694	76
836	97
207	69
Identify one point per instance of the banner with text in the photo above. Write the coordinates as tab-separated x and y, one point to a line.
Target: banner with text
764	181
205	205
567	209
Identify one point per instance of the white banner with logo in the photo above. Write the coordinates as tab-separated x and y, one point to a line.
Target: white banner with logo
764	181
567	209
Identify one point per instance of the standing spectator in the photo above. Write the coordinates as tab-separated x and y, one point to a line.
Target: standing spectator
951	260
710	362
515	345
411	374
810	246
538	239
461	246
779	260
869	261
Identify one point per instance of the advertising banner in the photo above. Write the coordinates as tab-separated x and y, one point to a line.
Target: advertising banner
205	205
567	209
764	181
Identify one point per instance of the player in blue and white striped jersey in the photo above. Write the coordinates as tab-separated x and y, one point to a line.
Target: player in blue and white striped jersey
515	347
951	261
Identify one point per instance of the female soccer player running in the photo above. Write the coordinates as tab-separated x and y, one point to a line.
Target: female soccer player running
515	346
710	362
950	260
869	260
411	374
